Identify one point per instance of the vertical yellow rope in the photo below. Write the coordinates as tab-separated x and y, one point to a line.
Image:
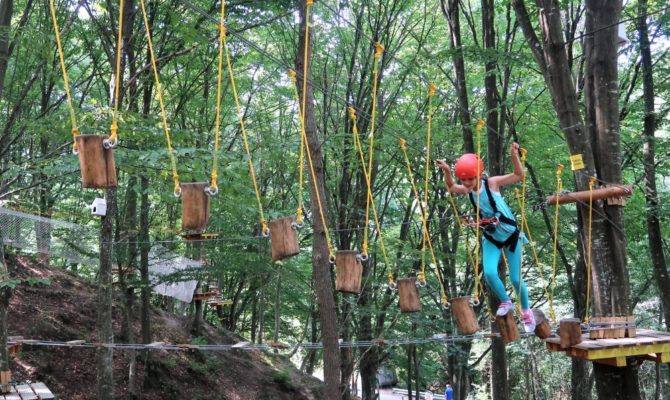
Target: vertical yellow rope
217	124
159	90
359	147
559	187
422	275
524	222
592	181
301	163
378	53
117	79
478	283
66	81
331	251
425	235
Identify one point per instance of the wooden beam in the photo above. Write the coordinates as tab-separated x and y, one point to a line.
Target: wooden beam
583	197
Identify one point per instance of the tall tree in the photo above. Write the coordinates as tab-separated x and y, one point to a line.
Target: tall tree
597	149
654	236
320	251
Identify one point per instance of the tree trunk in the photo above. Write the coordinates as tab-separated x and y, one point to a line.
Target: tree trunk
145	246
104	355
450	10
5	294
6	11
649	159
320	254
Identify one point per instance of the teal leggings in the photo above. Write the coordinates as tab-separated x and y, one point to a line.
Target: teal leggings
491	258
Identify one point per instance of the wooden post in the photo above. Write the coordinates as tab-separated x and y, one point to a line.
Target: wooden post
408	295
630	327
618	191
570	332
542	326
283	239
349	272
96	163
194	207
5	379
465	315
507	325
596	328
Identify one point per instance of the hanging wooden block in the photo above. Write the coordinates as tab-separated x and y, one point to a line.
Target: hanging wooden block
348	272
283	239
570	332
465	315
194	207
542	326
507	326
96	163
408	295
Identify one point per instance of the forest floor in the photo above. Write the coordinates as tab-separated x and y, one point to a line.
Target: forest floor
64	309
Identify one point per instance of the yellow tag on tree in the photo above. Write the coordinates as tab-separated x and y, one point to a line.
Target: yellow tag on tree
577	162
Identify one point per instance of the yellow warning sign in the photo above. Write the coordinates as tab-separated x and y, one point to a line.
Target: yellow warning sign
576	162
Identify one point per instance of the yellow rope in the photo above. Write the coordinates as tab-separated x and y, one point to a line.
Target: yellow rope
478	283
213	186
117	79
524	225
331	252
240	116
359	147
431	92
592	181
378	53
159	90
559	186
66	81
425	235
301	163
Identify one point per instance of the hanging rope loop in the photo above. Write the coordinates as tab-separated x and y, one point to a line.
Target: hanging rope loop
363	257
475	301
111	142
212	190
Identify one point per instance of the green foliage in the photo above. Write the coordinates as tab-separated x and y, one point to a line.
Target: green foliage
283	379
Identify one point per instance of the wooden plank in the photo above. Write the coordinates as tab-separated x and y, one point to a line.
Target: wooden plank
26	392
42	391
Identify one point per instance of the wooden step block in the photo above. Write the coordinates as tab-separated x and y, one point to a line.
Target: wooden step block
570	331
465	315
283	239
542	326
507	326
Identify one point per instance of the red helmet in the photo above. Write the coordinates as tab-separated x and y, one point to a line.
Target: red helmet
468	166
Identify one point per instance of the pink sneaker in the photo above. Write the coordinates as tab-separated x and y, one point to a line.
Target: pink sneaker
528	320
504	308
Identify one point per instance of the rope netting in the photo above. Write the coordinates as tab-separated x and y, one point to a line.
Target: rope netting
170	274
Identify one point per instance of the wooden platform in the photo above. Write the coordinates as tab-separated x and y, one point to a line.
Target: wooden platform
32	391
647	345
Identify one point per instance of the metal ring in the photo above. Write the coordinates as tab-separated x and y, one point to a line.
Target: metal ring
109	144
446	306
331	259
421	285
212	191
177	193
393	286
265	233
475	303
363	257
75	151
296	225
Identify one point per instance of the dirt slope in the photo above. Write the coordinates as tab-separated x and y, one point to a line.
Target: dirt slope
64	310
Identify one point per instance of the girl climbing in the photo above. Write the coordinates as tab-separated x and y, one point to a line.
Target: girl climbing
498	223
